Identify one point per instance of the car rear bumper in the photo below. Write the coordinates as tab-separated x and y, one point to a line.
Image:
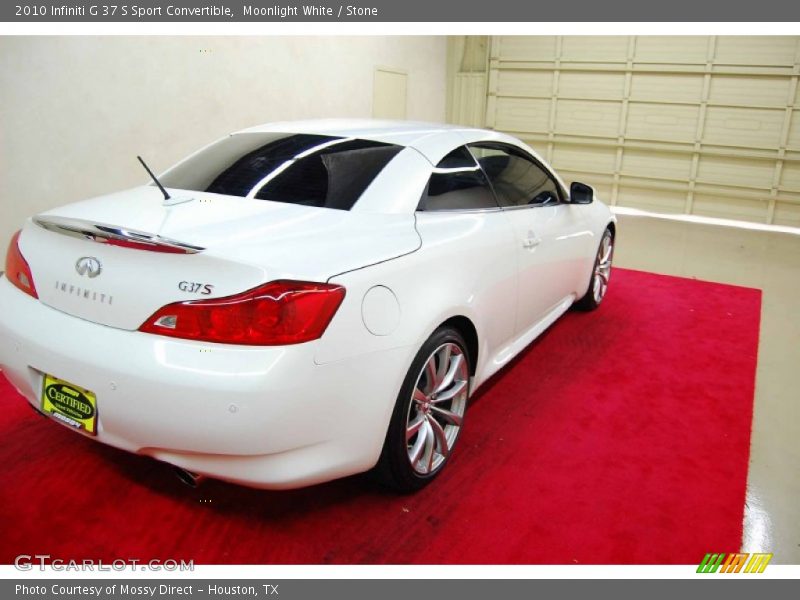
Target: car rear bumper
262	416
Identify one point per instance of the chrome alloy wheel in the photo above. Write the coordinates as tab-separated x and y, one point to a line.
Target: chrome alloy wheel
602	268
437	406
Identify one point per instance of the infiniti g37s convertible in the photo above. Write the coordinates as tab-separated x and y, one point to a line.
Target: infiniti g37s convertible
300	301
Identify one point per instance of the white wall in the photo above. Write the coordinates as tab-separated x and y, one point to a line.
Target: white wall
75	111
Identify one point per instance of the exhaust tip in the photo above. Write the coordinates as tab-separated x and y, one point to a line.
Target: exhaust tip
193	480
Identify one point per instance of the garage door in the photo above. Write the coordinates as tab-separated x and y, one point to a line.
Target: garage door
696	125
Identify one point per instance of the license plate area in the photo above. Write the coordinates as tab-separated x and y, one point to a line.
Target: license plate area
69	404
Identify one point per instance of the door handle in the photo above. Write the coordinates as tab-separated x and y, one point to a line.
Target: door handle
531	242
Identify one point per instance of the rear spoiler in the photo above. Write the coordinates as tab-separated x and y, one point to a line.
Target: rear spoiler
114	235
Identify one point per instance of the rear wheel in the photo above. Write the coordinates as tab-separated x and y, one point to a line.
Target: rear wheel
601	274
428	414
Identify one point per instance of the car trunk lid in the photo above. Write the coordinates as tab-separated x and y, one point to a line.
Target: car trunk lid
117	259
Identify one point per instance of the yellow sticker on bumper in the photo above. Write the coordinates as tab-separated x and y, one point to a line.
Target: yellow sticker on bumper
70	404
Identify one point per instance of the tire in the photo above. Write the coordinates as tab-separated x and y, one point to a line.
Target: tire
601	274
430	406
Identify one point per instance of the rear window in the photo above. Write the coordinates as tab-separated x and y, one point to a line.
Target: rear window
312	170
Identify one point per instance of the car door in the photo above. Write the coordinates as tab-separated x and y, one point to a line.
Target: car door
466	233
549	231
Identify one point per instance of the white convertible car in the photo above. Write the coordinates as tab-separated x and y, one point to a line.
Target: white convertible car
300	301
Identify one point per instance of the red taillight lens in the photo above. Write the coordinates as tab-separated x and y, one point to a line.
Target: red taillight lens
274	314
17	269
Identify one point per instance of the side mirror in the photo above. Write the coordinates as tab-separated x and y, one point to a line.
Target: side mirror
580	193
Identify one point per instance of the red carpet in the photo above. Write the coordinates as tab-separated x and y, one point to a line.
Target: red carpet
621	436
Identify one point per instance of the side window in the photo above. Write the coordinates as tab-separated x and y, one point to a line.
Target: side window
517	180
457	183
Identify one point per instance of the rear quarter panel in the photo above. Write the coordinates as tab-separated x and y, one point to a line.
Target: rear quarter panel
465	267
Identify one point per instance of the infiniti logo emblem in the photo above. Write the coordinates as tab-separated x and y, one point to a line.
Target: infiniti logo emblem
88	266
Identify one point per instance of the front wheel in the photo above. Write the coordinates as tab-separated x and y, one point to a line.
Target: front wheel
601	274
428	414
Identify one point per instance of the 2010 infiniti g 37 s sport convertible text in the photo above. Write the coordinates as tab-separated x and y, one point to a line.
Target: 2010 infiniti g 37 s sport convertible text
300	301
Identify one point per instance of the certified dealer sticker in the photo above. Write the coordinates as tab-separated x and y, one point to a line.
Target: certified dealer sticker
69	404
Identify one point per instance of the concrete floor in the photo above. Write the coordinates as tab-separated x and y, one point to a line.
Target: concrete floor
771	262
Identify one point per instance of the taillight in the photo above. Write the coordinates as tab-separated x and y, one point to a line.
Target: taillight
17	269
274	314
